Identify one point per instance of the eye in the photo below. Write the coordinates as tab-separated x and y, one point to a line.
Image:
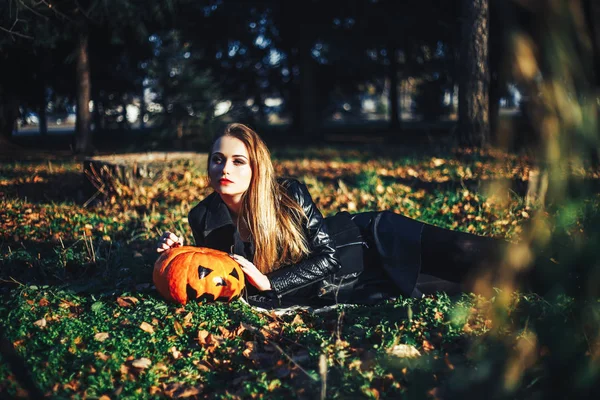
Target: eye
203	272
239	162
216	160
234	273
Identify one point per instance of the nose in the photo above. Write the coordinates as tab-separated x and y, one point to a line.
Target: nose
225	170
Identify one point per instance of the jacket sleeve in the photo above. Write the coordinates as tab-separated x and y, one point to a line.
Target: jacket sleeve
322	260
195	220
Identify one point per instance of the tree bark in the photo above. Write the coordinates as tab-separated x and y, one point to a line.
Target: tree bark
307	93
394	105
473	95
9	112
43	118
83	142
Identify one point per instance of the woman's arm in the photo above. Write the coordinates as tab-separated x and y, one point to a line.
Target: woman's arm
195	221
322	260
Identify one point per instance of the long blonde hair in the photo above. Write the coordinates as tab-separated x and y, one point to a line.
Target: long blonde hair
274	219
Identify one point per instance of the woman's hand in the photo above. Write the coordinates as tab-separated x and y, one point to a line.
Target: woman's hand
167	241
255	277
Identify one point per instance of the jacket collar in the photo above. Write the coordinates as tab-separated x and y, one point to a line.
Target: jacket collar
217	215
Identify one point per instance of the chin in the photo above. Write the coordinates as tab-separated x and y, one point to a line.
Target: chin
227	191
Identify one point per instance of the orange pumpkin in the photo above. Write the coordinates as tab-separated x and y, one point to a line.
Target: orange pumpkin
187	273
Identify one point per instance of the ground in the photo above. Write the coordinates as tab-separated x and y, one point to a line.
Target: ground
80	310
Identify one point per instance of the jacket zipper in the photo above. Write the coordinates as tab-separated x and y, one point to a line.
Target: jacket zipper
352	244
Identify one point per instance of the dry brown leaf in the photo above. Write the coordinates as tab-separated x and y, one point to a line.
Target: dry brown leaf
178	327
40	322
427	346
251	351
403	351
181	390
101	336
127	301
371	392
207	339
146	327
175	353
141	363
297	320
187	319
101	356
225	332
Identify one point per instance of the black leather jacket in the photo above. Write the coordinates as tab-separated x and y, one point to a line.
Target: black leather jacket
212	226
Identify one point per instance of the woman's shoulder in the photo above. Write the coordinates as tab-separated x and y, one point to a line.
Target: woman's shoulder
295	189
292	185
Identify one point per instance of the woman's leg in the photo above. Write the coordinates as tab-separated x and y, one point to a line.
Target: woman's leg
459	257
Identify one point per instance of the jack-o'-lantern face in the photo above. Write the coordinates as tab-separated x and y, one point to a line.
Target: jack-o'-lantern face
189	273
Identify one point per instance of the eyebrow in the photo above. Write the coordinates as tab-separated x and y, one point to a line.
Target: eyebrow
235	155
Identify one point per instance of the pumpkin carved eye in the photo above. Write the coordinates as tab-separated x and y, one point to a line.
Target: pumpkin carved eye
203	272
196	273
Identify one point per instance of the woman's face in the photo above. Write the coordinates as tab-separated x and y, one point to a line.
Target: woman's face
229	168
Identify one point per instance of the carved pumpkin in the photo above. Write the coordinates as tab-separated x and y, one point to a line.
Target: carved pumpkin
187	273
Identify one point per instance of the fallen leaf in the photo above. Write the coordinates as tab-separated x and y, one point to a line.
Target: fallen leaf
427	346
403	351
101	336
178	327
181	390
101	356
127	301
207	339
40	322
146	327
297	320
175	353
370	392
250	351
141	363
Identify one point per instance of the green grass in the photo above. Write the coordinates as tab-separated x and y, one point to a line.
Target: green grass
79	307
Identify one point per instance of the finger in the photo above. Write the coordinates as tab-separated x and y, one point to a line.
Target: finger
180	241
169	242
173	237
159	250
165	246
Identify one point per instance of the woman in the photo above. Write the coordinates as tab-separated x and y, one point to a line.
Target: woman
290	254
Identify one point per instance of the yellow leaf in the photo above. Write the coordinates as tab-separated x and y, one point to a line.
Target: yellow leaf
102	336
403	351
178	327
141	363
146	327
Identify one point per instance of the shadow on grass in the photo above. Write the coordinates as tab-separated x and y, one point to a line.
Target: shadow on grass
75	265
44	187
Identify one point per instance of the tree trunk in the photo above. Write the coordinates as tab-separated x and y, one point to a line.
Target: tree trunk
83	142
307	94
9	112
43	118
142	109
473	93
394	105
43	123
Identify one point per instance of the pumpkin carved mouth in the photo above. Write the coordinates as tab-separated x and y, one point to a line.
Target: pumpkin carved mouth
189	273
